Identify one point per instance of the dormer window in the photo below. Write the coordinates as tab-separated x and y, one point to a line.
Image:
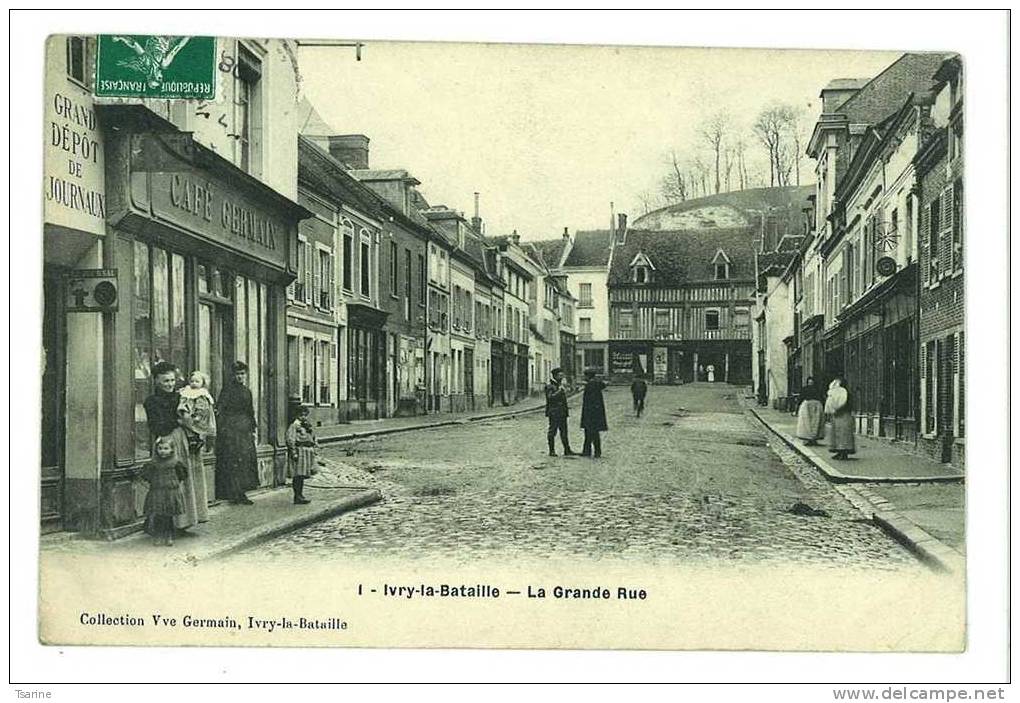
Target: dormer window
641	269
721	265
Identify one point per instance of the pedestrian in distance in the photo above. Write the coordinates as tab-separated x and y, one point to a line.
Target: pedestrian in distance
302	450
557	412
236	464
810	414
839	403
638	391
164	475
164	420
593	414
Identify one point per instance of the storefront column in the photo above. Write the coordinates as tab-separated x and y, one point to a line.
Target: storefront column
83	444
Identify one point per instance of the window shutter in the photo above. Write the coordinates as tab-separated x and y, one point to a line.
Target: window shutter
308	271
946	235
330	283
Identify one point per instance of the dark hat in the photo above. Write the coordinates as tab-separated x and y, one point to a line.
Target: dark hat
240	366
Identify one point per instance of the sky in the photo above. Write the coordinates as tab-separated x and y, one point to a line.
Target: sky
550	135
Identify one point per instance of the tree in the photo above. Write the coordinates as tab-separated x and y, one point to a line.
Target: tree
675	186
713	131
773	128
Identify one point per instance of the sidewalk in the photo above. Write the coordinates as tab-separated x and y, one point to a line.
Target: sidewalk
369	428
917	501
230	528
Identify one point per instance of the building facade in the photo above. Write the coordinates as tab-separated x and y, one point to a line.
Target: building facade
198	233
939	165
585	263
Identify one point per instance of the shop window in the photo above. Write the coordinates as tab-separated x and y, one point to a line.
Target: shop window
711	320
76	59
158	326
251	344
249	111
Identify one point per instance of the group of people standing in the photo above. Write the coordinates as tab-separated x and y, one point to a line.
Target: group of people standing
836	403
183	421
593	414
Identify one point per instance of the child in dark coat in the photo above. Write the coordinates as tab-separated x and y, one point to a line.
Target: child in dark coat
164	500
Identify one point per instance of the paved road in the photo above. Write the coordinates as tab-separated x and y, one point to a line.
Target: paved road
693	479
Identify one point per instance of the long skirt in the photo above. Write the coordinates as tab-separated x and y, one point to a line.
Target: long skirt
305	465
810	420
193	488
841	437
236	461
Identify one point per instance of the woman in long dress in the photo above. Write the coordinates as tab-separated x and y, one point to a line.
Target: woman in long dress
839	405
810	414
164	421
236	463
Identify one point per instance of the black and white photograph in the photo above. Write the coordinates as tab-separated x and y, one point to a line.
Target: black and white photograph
371	343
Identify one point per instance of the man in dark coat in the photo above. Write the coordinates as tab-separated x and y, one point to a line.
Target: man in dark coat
556	411
593	414
638	391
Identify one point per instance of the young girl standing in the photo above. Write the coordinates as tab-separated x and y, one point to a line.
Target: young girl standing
164	500
301	454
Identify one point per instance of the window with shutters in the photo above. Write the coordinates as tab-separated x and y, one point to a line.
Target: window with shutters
421	279
394	270
297	288
324	298
365	265
311	273
957	227
946	232
76	59
934	218
348	253
468	310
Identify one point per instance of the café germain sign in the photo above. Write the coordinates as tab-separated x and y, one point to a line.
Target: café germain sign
191	200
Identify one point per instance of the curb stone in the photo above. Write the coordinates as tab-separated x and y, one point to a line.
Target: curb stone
929	550
279	527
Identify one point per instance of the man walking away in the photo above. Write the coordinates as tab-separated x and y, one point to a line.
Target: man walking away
638	390
556	411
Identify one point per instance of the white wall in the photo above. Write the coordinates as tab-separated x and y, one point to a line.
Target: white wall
599	314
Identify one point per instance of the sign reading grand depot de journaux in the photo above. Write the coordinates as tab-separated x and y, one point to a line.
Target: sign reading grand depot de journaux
150	66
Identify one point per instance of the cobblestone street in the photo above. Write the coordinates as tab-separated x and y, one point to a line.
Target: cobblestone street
694	479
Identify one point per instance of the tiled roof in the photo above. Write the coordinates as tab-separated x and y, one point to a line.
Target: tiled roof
551	250
590	248
845	83
885	93
685	256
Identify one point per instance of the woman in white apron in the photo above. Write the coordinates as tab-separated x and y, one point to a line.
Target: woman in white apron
839	405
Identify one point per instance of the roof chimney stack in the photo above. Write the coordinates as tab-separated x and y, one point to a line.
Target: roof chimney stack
621	228
350	149
566	233
515	237
476	221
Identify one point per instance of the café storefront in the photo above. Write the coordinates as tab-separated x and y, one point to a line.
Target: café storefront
204	253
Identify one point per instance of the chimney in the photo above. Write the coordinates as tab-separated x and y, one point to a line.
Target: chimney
476	221
350	149
621	228
566	233
515	237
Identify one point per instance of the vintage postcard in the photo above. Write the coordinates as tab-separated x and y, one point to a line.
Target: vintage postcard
378	344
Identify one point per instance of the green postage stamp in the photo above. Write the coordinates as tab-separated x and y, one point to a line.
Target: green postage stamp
151	66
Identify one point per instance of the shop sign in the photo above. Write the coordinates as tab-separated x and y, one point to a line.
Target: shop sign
156	66
197	201
621	362
91	290
73	180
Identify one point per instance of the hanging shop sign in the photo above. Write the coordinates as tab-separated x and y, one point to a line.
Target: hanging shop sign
886	266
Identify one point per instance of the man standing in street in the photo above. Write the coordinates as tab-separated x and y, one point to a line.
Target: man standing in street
556	411
638	391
